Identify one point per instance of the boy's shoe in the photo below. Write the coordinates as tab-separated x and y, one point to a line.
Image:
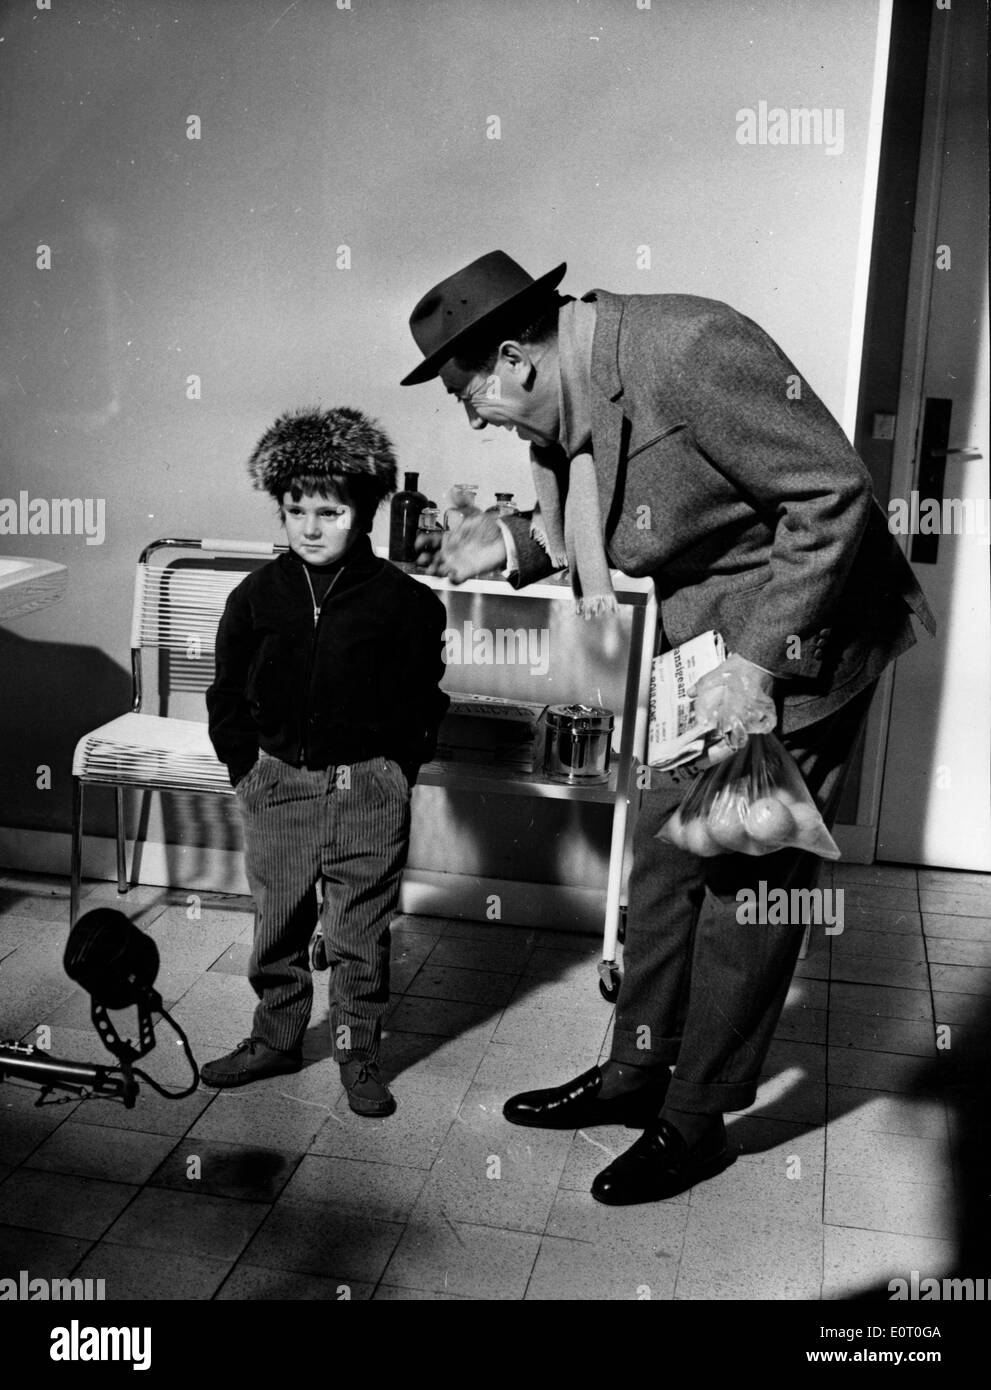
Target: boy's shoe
251	1060
367	1092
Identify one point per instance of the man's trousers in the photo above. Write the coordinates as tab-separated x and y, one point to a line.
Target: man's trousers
348	827
700	990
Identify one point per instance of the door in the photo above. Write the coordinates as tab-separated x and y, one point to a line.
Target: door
936	788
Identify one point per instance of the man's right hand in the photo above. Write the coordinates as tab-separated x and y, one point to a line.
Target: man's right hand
475	547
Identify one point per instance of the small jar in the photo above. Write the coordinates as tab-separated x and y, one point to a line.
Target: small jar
504	505
429	519
577	747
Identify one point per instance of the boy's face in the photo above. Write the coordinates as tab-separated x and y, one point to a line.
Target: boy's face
319	527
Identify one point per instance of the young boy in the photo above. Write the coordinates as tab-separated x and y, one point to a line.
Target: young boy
324	705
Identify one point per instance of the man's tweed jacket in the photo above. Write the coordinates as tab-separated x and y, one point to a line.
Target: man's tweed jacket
723	476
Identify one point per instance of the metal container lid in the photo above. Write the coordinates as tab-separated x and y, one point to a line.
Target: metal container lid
580	718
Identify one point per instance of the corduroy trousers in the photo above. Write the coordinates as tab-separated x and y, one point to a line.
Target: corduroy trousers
346	827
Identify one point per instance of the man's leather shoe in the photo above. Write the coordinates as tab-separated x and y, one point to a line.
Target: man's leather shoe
577	1104
250	1061
660	1164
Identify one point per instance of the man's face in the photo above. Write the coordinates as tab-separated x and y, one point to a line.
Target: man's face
520	393
318	526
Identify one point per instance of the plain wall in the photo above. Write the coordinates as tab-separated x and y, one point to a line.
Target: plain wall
324	127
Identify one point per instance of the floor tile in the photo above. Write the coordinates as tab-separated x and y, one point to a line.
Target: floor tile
486	987
956	878
189	1223
877	1071
885	1158
62	1203
523	1025
886	1112
963	902
479	955
252	1174
97	1151
961	979
424	1055
946	950
859	1261
581	1270
455	1257
410	1138
39	1252
902	946
973	1009
729	1254
390	1293
441	1017
323	1240
886	875
880	970
256	1283
865	919
887	898
880	1001
382	1190
802	1025
882	1034
904	1208
128	1273
959	928
233	961
512	1068
784	1180
268	1121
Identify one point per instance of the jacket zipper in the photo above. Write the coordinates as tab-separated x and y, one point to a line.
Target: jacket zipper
317	610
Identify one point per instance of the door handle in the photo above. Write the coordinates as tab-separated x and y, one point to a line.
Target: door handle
934	450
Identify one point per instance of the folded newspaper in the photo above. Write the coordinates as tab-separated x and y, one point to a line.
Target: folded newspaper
675	738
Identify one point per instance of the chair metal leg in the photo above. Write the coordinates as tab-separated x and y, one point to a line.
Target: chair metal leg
122	884
76	859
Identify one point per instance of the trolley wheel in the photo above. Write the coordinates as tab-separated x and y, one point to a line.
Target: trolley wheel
318	953
609	981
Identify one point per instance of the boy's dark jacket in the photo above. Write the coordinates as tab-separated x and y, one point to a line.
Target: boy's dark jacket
361	684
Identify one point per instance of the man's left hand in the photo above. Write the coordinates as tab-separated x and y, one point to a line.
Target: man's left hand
736	699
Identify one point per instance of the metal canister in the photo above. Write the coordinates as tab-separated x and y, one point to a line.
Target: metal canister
578	742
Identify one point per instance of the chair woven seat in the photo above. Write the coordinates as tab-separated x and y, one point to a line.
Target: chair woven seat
149	751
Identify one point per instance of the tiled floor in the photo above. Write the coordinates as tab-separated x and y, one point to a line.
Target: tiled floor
862	1160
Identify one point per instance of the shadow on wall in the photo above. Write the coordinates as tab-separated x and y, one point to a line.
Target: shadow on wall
53	693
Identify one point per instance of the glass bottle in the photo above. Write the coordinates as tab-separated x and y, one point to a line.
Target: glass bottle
504	505
462	503
429	519
404	514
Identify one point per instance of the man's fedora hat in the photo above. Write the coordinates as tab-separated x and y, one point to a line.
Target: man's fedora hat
483	294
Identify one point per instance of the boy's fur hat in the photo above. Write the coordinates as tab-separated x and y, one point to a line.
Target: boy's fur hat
322	444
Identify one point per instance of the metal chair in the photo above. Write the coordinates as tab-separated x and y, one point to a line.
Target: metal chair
177	607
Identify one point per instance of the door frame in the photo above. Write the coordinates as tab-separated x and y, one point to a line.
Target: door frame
858	842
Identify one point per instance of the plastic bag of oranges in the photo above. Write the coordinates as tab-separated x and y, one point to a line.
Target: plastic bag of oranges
753	802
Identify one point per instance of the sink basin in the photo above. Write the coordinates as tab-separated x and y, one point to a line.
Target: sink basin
27	585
